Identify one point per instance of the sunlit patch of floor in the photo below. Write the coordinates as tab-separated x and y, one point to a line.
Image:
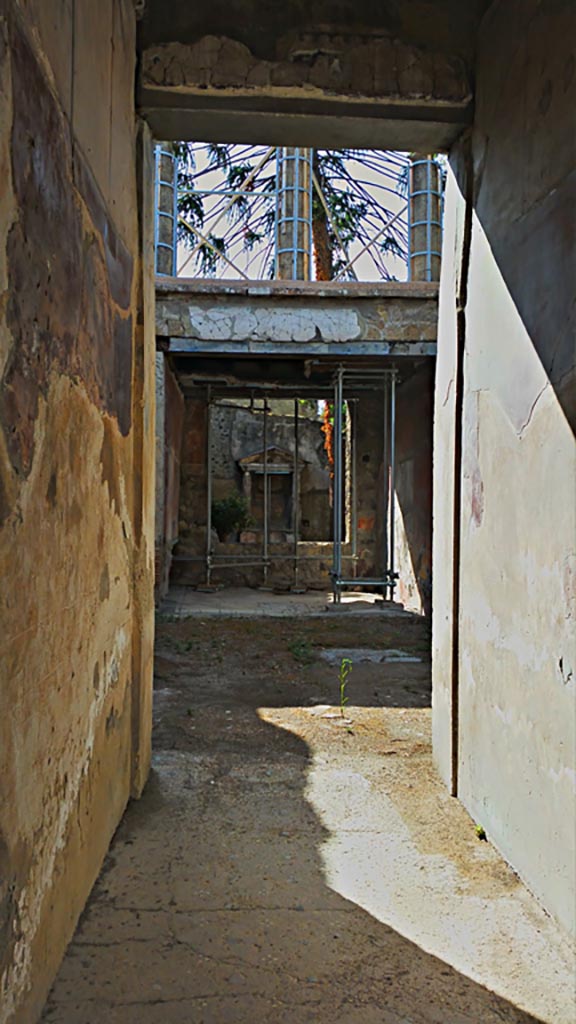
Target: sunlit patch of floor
294	858
399	847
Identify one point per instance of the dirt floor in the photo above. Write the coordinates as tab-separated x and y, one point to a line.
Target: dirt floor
293	863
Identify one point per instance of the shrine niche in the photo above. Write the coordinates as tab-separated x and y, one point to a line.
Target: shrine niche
269	487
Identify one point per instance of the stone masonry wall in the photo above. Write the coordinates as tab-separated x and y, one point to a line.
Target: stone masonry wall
75	515
236	433
506	305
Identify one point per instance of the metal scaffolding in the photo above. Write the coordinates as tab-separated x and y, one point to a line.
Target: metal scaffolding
288	197
348	384
227	561
387	380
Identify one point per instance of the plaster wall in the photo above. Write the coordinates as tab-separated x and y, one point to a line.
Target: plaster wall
413	519
368	423
160	437
413	490
444	510
76	464
169	425
193	479
516	743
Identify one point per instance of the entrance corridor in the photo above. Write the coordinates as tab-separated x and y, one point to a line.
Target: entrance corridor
293	863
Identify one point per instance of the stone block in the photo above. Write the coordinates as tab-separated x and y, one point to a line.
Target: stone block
233	65
415	72
249	537
285	74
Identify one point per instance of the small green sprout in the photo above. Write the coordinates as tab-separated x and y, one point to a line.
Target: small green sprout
480	832
345	670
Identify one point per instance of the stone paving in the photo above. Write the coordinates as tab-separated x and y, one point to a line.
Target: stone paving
292	864
246	602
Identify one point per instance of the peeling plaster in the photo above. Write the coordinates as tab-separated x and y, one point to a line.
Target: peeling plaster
282	325
16	979
404	317
352	66
71	657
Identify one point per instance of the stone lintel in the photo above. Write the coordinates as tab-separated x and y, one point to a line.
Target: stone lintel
372	91
297	317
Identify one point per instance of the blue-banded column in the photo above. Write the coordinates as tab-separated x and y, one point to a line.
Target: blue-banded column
293	239
166	209
425	219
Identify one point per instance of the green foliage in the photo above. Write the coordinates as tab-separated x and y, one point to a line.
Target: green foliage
345	670
190	204
346	212
356	186
480	832
301	650
330	418
219	155
251	238
391	245
181	646
230	514
191	208
209	255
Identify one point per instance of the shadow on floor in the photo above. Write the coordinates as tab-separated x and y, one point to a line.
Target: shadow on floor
213	905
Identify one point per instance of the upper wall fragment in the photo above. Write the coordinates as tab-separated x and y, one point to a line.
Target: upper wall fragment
324	88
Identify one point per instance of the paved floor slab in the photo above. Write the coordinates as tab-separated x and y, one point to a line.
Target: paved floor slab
289	867
248	602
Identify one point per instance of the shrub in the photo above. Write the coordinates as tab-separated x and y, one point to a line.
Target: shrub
230	514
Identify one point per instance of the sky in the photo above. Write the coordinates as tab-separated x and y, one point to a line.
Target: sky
375	175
